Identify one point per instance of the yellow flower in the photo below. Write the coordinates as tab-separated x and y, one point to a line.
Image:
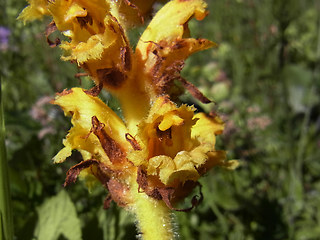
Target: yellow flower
172	144
160	146
98	43
173	148
153	157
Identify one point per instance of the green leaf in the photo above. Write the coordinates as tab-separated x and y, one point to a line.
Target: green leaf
57	216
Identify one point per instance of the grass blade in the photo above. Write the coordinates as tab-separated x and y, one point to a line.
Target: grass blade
6	222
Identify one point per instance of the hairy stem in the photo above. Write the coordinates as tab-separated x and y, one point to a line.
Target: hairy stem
153	217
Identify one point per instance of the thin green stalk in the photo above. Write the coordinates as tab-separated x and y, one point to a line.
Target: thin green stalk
6	223
305	124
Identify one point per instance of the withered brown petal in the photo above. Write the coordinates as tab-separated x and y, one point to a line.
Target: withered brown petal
95	91
166	194
135	8
111	77
107	201
125	56
51	27
194	91
142	178
113	150
142	181
118	192
74	171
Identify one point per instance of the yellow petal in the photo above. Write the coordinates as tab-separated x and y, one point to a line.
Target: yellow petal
36	10
178	145
163	47
74	11
167	28
90	50
231	164
63	153
83	107
173	171
206	128
169	20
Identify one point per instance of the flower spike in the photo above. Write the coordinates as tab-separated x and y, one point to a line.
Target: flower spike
153	157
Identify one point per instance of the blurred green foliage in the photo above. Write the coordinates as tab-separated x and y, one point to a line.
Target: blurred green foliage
265	81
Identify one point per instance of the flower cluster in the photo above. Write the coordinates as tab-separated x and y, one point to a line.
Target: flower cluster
4	38
159	150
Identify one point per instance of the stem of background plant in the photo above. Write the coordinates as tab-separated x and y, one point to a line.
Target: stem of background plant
6	222
153	216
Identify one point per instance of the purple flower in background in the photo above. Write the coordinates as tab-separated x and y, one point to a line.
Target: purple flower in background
4	38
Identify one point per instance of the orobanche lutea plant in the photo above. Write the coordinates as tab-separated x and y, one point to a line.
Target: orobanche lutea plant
152	158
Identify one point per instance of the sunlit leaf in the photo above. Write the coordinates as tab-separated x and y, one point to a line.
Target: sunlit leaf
57	216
